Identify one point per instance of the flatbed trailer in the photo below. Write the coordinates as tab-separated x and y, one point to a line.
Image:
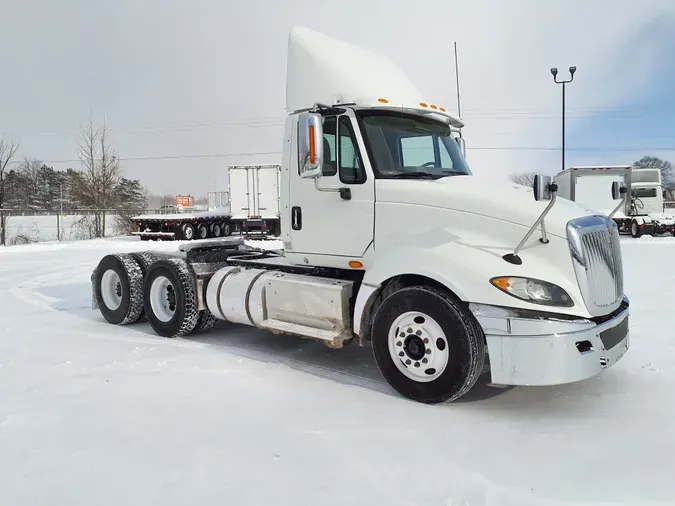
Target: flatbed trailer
214	222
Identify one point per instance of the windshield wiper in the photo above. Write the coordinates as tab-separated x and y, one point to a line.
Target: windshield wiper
453	172
413	175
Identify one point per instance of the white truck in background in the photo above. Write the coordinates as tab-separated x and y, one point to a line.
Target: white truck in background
254	199
641	212
389	238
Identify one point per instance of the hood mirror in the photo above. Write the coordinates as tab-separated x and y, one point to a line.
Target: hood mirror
544	190
619	192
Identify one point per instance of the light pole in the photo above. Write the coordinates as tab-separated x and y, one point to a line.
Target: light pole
554	71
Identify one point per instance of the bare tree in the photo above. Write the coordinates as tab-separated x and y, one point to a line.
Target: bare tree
653	162
29	168
524	178
8	148
98	181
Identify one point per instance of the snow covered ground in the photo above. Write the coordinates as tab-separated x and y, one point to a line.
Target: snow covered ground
93	414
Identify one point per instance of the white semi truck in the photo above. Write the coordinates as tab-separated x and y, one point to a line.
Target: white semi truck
389	239
641	212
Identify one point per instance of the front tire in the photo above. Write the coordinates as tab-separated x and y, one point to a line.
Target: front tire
169	298
635	230
118	287
427	346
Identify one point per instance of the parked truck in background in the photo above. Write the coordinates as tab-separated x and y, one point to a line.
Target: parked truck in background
254	199
641	212
389	238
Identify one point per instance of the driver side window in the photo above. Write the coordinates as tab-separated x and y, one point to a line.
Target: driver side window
329	147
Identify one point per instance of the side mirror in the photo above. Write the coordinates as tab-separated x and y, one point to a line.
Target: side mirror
310	144
618	190
544	187
462	145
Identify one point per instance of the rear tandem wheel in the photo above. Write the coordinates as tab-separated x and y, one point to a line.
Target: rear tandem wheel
118	288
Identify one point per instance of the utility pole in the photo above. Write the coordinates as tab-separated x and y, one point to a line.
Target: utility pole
554	72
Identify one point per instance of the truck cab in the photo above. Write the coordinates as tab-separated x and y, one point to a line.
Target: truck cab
647	191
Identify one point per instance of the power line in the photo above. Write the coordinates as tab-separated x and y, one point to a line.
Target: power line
168	157
472	114
469	148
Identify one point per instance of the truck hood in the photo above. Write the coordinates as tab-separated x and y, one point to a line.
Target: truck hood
478	195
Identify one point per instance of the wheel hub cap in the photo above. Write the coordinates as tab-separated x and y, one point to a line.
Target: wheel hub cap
418	346
111	290
414	348
163	299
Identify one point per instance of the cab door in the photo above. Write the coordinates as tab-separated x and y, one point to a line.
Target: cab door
334	215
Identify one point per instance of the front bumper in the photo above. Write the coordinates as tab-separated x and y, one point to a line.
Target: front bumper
529	351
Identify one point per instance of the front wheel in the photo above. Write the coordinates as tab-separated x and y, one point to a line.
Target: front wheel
428	347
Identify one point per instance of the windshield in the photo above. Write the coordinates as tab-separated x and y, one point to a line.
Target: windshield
402	145
642	193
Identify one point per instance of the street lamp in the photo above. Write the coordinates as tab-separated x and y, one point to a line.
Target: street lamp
554	71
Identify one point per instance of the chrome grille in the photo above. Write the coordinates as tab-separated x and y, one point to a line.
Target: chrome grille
596	255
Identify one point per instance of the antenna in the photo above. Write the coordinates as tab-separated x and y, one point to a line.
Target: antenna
459	108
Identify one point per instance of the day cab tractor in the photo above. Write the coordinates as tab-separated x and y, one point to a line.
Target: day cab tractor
390	240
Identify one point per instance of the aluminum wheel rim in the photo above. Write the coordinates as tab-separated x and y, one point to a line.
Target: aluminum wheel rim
216	230
163	299
203	233
189	232
111	290
418	346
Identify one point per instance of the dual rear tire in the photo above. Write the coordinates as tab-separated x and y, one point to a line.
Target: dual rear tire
133	287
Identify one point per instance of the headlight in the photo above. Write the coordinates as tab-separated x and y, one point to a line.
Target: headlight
533	290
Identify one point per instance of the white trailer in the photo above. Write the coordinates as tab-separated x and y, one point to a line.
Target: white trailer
254	198
390	240
641	212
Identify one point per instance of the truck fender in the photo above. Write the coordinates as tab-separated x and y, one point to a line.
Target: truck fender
392	264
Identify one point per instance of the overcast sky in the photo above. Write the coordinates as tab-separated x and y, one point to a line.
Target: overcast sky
207	77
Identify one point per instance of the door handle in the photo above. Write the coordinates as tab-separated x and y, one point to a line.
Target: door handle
296	218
